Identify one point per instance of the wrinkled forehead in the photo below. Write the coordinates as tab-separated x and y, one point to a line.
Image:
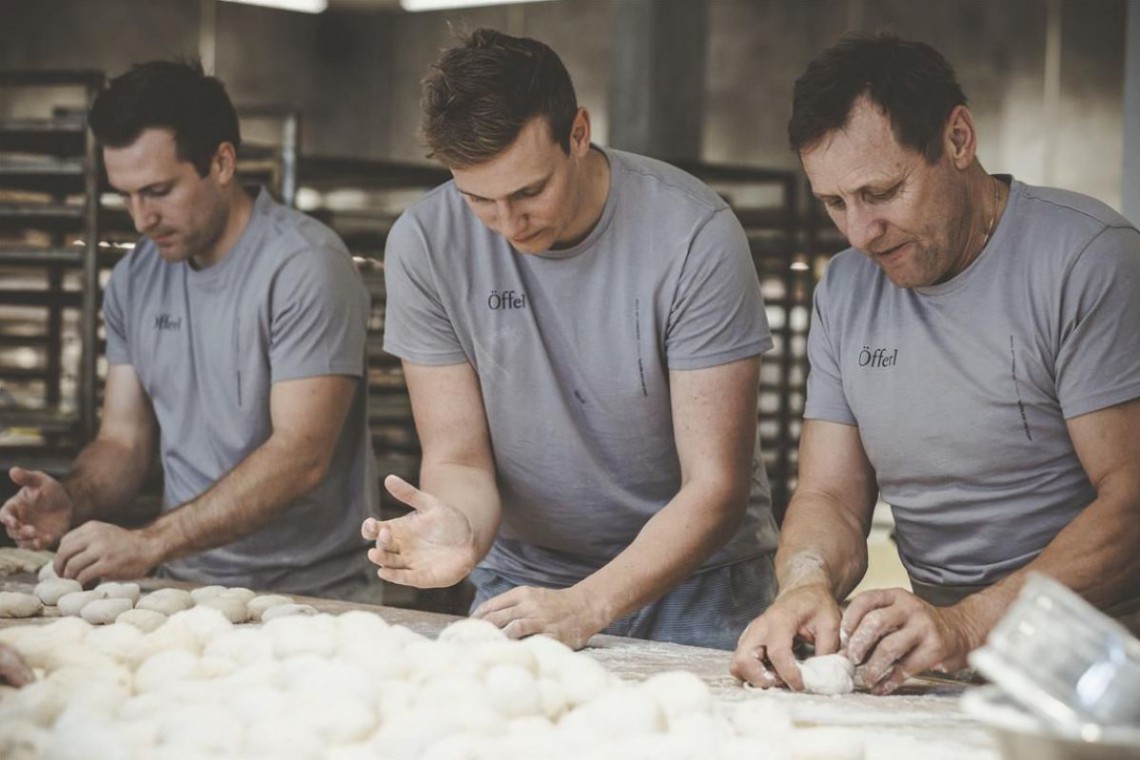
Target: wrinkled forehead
863	151
151	158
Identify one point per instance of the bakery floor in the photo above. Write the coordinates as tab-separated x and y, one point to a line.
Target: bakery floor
921	720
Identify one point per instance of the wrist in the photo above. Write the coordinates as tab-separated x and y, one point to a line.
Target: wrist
159	540
597	606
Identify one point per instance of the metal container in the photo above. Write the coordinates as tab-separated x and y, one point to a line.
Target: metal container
1063	661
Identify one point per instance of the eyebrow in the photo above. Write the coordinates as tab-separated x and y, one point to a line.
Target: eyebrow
537	184
146	188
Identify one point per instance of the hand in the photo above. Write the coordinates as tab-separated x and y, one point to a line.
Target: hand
764	655
13	670
101	550
40	512
896	635
564	614
431	547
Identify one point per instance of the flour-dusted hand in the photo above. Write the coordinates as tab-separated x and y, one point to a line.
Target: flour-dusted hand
895	635
431	547
102	550
40	512
764	654
568	615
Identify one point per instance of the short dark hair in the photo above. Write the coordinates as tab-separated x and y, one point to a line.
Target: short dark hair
914	85
174	95
479	94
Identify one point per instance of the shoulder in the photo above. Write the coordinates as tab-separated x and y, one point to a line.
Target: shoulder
661	186
1062	221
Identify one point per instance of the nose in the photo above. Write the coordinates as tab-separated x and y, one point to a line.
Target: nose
142	214
863	226
511	222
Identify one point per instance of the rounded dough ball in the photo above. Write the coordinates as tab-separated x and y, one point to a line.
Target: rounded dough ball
120	591
145	620
471	630
202	593
47	572
828	674
231	606
240	592
287	610
72	604
52	589
259	604
14	604
104	611
167	601
512	690
680	693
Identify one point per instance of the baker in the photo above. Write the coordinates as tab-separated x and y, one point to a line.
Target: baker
580	329
975	360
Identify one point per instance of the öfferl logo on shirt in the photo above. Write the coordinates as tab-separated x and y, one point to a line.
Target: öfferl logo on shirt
878	358
506	299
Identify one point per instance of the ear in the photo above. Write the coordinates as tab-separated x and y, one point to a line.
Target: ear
960	139
224	162
580	133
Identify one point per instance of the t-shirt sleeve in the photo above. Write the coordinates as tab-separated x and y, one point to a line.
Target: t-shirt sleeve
416	325
115	315
825	397
1098	364
717	314
319	317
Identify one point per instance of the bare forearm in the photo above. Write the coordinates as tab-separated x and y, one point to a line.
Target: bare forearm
1095	555
834	555
274	475
104	478
470	489
671	545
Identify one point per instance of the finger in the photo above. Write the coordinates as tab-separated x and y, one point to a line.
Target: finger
78	563
370	529
827	636
523	627
921	658
416	578
27	478
386	539
503	601
784	662
70	547
748	664
889	652
873	619
406	492
388	559
860	606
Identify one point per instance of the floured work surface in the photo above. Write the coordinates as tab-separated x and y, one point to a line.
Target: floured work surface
920	720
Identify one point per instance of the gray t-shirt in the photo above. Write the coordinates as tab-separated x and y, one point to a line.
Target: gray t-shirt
961	390
573	350
207	345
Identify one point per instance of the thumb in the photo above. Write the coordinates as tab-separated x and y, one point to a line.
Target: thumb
27	478
407	493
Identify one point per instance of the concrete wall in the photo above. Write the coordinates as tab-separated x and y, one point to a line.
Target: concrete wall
356	75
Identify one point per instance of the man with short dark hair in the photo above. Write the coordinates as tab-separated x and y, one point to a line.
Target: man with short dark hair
236	343
974	360
580	330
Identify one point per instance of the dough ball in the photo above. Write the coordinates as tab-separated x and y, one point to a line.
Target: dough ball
204	622
828	674
145	620
47	572
680	693
202	593
104	611
231	607
470	631
119	640
259	604
14	604
241	645
621	710
240	592
72	604
50	591
120	591
22	740
302	634
762	718
165	667
512	690
167	601
287	610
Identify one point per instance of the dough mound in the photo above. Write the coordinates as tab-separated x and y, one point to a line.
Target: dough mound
828	674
